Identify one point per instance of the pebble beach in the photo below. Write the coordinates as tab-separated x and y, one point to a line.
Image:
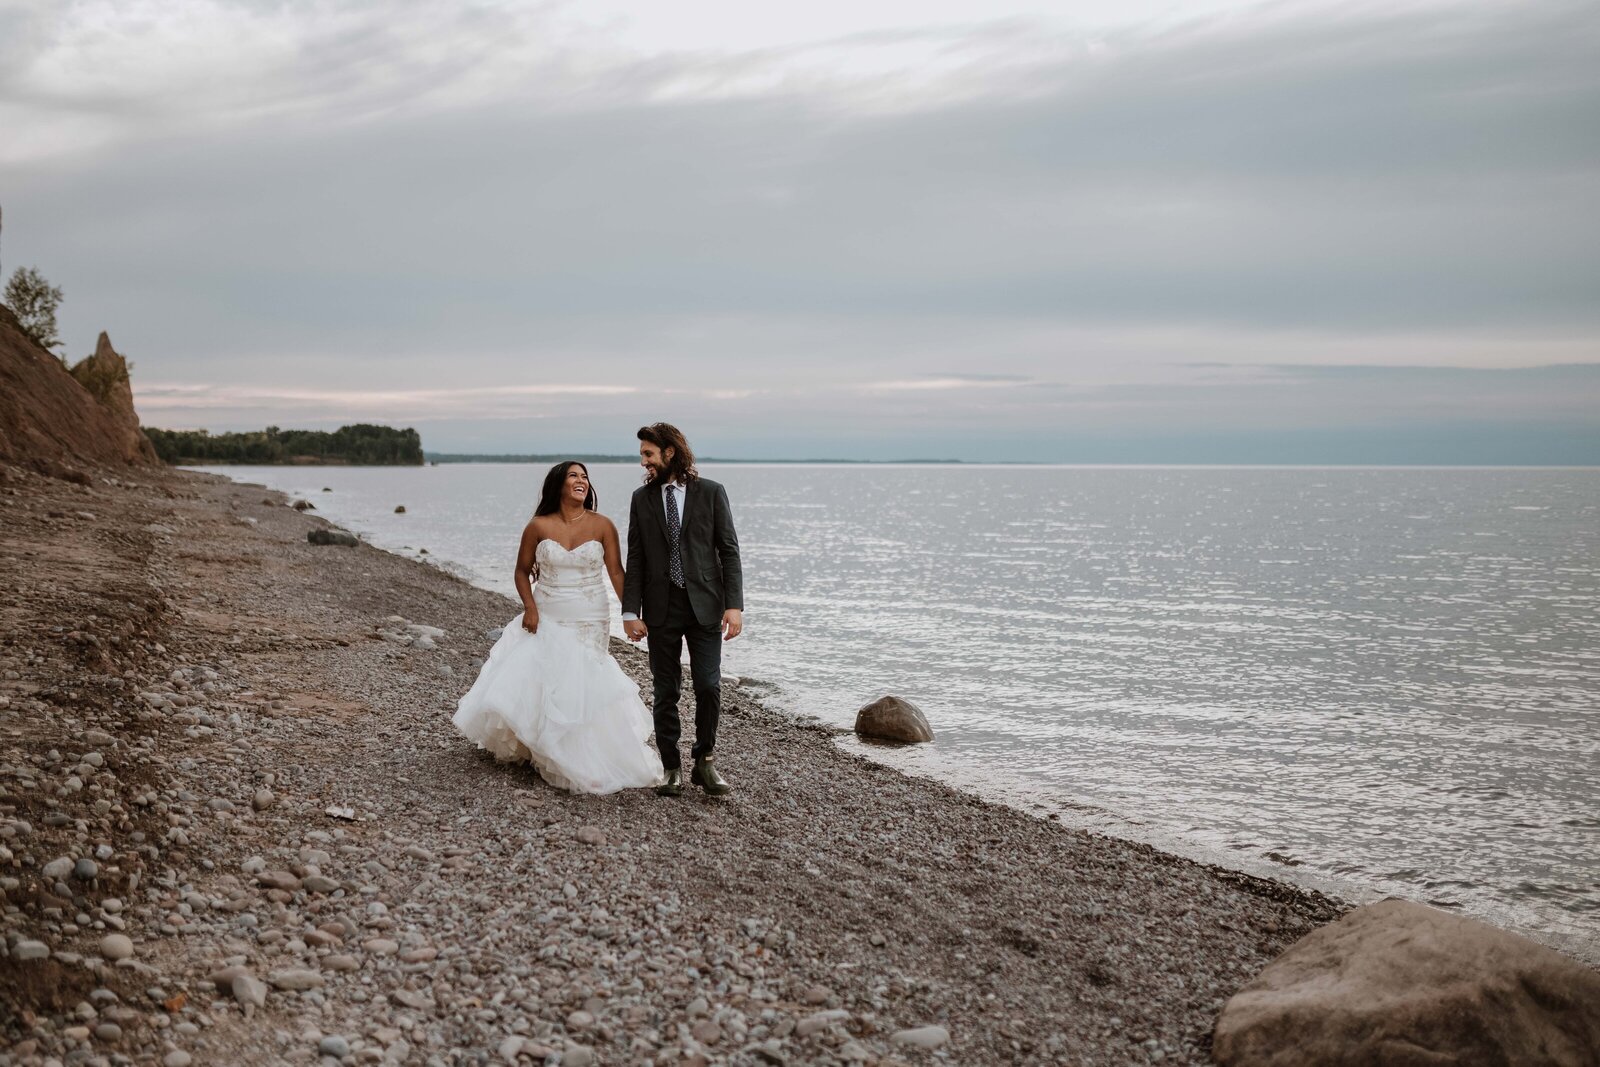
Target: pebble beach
237	827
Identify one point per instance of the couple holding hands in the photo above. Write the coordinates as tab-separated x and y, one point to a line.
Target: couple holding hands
551	694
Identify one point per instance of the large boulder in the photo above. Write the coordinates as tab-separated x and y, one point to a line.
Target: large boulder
892	719
1397	984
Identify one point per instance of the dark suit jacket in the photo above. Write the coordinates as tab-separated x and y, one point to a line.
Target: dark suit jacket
711	573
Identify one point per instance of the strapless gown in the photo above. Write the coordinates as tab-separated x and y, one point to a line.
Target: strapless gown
557	699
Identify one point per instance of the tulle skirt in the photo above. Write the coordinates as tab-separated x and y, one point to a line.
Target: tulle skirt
553	700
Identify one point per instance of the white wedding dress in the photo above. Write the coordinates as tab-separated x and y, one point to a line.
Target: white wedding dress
556	698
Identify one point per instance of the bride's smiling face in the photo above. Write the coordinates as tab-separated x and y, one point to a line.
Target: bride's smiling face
578	484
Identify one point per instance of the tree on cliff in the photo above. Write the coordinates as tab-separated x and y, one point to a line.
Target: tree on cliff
34	301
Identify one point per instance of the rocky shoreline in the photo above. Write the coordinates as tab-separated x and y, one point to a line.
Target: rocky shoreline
236	827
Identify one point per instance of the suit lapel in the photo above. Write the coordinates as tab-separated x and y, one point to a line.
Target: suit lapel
698	505
657	508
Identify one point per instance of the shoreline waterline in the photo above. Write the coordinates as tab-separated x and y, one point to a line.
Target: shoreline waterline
1029	796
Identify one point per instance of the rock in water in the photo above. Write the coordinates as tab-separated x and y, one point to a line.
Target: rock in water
303	505
892	719
1400	983
400	510
332	537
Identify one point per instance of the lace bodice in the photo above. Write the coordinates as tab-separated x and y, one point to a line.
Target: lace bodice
570	589
578	568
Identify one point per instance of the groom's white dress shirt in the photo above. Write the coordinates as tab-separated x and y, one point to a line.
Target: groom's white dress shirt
677	489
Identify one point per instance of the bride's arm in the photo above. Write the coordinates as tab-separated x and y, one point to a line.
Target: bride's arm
523	578
613	550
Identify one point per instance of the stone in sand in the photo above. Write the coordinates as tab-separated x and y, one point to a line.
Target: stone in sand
295	979
23	951
116	947
892	719
248	990
922	1037
332	537
1397	982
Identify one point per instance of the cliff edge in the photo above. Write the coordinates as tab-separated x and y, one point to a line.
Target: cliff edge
52	419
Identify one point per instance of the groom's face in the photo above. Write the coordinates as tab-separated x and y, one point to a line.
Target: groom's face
652	459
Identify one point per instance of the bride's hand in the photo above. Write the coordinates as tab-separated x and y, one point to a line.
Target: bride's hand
530	620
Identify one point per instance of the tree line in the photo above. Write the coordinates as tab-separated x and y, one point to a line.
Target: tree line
362	443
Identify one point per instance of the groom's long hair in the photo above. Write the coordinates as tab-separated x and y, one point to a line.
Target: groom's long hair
664	435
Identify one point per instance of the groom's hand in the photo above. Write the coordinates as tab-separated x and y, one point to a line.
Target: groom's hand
635	629
732	624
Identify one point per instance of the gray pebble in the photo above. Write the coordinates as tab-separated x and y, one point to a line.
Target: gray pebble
30	950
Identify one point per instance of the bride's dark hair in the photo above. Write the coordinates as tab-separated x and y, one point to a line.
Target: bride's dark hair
556	482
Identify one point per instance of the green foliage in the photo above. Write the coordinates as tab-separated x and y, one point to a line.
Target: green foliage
34	301
362	443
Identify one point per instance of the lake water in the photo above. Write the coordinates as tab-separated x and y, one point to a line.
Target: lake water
1380	680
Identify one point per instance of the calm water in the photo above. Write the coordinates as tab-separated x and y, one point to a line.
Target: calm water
1382	678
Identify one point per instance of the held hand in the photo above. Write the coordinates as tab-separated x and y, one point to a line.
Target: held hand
732	624
530	620
635	629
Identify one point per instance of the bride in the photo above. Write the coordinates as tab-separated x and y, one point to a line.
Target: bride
550	693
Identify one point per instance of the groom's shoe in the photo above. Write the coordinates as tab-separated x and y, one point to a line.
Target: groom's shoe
706	777
673	786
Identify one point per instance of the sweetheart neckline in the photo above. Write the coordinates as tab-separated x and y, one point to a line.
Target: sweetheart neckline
564	548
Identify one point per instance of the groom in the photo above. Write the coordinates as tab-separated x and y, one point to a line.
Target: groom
683	586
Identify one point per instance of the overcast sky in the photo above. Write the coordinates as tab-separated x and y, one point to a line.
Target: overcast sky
1136	231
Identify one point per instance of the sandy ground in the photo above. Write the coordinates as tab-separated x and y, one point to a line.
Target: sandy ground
223	754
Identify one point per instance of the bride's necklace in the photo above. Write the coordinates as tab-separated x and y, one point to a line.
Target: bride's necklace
573	522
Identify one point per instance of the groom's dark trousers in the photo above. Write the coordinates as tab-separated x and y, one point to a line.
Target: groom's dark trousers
705	672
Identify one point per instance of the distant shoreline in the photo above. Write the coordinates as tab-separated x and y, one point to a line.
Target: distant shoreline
438	459
465	457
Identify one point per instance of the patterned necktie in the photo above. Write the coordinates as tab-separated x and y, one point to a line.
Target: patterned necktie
674	550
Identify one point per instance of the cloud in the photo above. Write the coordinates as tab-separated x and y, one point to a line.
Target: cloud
951	381
930	218
190	400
